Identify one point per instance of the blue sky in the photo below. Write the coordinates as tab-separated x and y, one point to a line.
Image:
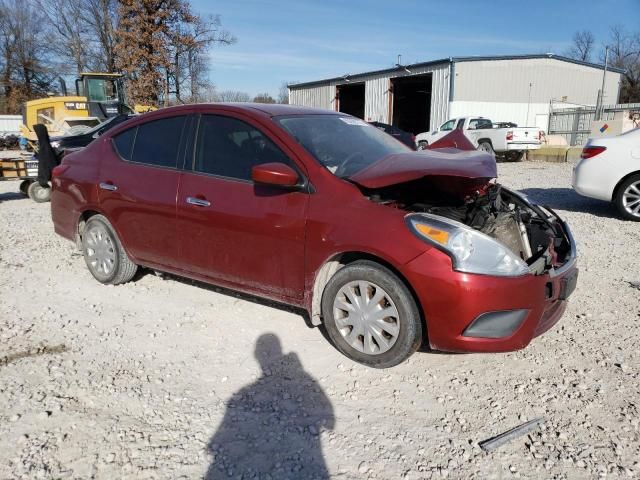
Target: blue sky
302	40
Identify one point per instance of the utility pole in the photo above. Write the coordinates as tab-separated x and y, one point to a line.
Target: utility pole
599	103
528	104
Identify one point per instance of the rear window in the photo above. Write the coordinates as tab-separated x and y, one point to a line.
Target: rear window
124	142
157	142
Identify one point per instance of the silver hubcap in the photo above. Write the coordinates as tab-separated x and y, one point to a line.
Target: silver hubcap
631	199
100	251
366	317
485	147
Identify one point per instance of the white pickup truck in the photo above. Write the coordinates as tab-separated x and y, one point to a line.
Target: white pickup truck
509	142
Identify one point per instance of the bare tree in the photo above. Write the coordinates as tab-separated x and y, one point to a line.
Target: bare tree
624	52
69	34
25	69
283	93
263	98
188	74
582	46
101	18
232	96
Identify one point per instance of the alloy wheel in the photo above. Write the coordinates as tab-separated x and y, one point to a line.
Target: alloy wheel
631	199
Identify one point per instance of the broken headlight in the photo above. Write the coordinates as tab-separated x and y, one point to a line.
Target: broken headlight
471	251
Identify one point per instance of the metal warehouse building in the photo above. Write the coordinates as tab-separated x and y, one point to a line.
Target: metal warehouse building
422	96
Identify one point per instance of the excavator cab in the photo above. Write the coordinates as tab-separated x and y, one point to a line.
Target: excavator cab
104	93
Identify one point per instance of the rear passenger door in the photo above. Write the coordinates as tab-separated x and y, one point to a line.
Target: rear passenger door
138	187
251	236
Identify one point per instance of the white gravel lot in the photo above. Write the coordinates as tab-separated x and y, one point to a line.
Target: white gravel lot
164	378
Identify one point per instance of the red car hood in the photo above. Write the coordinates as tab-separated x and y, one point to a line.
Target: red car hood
404	167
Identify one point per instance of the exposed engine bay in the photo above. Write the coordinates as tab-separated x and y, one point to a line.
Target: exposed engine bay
531	232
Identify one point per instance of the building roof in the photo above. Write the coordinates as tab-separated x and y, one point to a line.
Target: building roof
361	76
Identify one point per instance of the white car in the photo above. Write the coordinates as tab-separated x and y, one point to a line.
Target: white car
495	138
610	170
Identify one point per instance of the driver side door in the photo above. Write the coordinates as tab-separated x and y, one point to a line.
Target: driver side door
232	230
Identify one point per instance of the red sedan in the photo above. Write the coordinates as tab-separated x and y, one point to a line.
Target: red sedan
384	246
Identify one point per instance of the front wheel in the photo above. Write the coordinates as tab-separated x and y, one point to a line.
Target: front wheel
423	145
627	199
103	253
38	193
370	315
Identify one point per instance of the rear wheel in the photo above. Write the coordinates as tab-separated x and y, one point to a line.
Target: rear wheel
38	193
103	253
514	155
627	198
486	147
370	315
423	145
24	187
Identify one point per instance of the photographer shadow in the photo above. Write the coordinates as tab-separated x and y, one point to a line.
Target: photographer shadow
273	426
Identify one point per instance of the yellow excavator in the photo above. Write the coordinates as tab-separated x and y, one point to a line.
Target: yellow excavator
98	96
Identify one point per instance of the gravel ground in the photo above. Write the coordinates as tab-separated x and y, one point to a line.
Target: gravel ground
165	378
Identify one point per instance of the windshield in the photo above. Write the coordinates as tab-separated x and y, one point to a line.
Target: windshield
344	145
102	90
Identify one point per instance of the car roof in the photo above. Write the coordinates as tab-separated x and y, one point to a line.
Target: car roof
270	109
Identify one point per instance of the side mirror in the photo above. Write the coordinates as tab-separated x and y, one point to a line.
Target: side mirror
276	174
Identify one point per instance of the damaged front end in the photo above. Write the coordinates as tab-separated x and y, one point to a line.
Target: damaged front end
484	227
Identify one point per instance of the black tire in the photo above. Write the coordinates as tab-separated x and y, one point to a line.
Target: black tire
120	268
24	187
409	321
38	193
486	146
514	155
423	145
626	188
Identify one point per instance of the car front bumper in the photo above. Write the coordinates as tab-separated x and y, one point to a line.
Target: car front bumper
481	313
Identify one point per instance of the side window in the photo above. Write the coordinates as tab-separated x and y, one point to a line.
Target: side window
479	123
447	126
124	142
158	142
230	148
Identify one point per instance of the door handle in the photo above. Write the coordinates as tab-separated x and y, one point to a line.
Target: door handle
108	186
198	201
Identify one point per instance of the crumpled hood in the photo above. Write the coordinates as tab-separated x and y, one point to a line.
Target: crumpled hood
404	167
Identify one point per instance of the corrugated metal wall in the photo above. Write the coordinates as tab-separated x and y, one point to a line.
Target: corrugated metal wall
377	93
498	89
10	123
322	96
508	81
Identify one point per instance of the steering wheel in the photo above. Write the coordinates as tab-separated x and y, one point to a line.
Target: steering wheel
342	168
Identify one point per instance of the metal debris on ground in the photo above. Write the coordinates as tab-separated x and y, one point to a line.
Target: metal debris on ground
499	440
635	285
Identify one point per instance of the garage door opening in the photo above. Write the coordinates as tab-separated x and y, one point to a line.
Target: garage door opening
351	99
412	103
